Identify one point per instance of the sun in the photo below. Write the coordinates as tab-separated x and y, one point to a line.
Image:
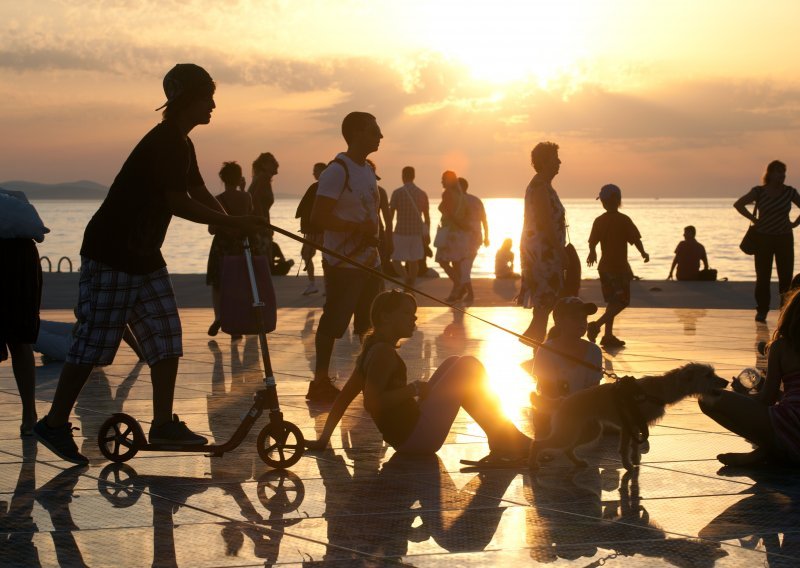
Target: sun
510	40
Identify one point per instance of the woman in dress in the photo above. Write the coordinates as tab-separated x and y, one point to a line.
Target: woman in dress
416	417
773	232
769	420
542	256
453	241
236	202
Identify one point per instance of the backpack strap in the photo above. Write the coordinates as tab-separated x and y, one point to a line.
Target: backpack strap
343	164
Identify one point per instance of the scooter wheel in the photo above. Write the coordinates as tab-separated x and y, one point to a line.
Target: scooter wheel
119	438
280	444
120	485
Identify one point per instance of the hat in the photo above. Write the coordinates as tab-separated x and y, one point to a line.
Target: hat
572	306
184	78
610	191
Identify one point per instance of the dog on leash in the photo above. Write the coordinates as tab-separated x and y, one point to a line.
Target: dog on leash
629	404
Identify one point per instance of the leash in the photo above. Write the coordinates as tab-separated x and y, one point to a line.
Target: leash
522	338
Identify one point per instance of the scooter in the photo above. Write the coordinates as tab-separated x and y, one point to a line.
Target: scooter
280	443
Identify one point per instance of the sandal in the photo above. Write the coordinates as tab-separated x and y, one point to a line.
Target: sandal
495	461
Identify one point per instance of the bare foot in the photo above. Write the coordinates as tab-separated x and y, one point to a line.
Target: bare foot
743	458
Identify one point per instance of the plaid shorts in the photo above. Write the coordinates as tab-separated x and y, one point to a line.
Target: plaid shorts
109	299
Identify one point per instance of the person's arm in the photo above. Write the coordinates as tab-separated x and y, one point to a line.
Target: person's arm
183	206
380	365
640	247
485	224
635	238
201	194
426	218
796	201
349	392
771	389
593	240
263	198
704	258
672	268
744	200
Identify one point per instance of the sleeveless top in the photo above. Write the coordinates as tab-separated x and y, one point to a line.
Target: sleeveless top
785	417
395	423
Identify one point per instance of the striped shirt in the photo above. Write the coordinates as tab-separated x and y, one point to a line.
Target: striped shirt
773	210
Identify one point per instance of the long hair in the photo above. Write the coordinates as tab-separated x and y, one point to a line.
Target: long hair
772	167
789	320
384	303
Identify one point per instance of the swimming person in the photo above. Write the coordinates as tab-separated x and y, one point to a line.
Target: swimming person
416	417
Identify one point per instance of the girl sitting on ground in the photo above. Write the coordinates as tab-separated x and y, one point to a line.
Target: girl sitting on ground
504	261
768	420
566	363
415	418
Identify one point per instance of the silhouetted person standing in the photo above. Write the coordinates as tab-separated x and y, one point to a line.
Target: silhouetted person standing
478	229
124	278
409	206
346	208
773	232
310	232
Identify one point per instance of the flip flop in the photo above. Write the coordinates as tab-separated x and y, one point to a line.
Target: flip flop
495	462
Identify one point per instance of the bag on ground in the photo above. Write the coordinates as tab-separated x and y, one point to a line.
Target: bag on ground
237	314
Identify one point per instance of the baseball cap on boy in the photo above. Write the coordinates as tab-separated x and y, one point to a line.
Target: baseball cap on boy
610	191
573	306
185	78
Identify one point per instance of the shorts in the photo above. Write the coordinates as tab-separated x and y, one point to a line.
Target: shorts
407	248
308	251
616	287
109	299
349	293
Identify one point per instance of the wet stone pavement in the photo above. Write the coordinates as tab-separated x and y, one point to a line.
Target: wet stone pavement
359	504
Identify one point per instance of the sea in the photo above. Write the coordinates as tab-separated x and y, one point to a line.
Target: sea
661	221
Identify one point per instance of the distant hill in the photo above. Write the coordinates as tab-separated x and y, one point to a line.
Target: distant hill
82	189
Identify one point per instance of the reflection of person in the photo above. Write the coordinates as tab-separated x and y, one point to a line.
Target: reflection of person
309	230
688	255
236	202
478	230
767	420
411	230
416	417
455	248
346	208
504	261
556	375
773	232
613	231
541	256
124	278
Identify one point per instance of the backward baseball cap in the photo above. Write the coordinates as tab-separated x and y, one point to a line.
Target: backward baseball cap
185	78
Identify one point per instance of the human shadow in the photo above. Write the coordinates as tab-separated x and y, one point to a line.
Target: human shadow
55	497
411	499
453	338
767	517
17	526
568	519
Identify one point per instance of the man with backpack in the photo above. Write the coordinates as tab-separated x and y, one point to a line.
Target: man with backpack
309	230
346	208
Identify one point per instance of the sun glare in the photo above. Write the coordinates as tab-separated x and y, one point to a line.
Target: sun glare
510	40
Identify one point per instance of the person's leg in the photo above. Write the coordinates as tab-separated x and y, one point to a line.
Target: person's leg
70	383
784	262
412	269
163	376
466	278
461	383
401	271
538	326
741	414
22	363
763	265
324	348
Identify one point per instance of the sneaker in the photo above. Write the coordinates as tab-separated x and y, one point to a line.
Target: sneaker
592	331
175	432
322	391
310	289
213	329
611	341
761	317
59	441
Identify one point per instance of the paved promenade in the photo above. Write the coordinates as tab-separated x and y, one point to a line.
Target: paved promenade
358	504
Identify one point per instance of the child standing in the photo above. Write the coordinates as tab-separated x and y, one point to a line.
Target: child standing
614	231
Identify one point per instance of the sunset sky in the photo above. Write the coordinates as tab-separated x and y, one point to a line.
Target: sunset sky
680	98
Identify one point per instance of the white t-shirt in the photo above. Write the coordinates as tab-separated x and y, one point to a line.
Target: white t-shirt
551	366
358	202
